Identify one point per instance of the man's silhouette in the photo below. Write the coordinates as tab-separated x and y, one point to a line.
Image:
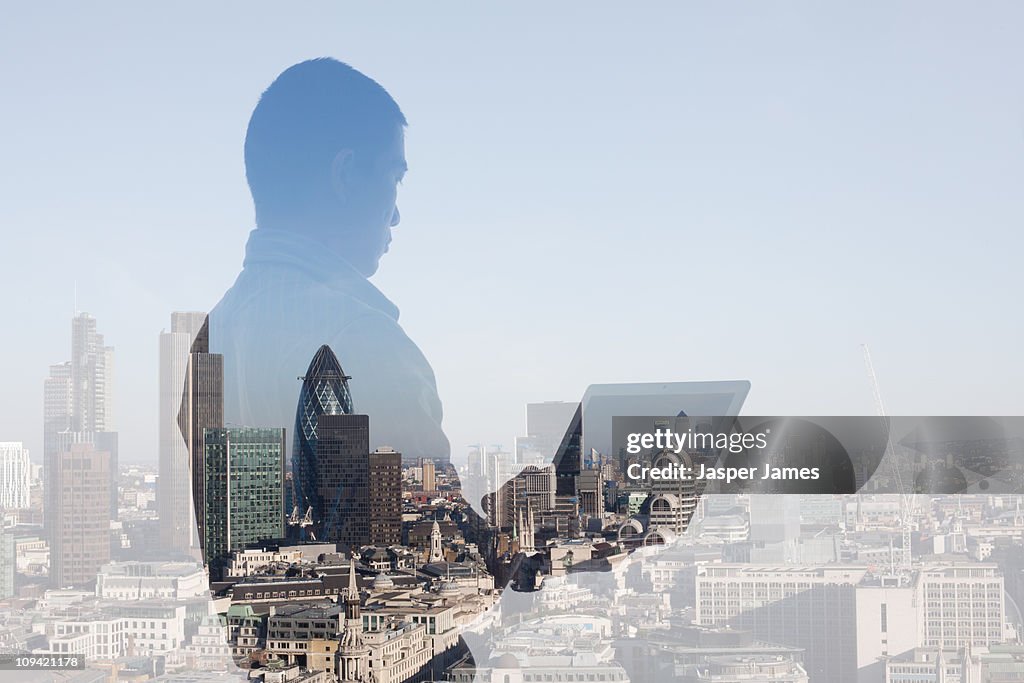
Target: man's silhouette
324	153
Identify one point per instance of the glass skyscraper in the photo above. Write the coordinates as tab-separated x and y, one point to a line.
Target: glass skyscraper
244	488
324	392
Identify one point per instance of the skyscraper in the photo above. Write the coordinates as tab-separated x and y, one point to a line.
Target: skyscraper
429	475
92	369
324	391
341	511
78	408
547	423
81	536
14	475
385	496
244	494
202	408
568	457
174	493
56	419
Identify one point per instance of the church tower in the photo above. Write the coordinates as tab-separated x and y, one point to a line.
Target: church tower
435	544
353	655
526	540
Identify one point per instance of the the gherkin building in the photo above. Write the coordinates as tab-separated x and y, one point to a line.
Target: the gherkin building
324	392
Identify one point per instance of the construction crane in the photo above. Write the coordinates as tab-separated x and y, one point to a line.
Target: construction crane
908	502
294	520
302	522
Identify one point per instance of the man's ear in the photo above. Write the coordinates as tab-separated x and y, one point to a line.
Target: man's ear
342	173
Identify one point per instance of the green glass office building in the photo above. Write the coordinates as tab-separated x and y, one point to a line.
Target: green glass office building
244	488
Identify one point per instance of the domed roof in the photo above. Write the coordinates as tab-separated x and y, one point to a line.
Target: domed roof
667	457
449	589
630	527
383	582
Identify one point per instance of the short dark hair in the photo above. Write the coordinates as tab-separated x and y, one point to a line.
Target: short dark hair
310	112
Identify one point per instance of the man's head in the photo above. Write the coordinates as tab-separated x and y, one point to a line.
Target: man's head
324	154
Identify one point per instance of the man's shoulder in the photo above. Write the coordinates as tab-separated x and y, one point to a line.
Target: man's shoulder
271	293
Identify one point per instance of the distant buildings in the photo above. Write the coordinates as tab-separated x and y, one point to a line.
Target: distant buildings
151	580
428	477
849	619
8	563
78	408
15	475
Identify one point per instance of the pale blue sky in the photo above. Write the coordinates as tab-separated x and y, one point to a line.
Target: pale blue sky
596	193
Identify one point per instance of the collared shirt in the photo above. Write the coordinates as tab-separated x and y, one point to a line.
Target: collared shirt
292	296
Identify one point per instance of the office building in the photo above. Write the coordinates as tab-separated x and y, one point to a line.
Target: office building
849	620
341	507
428	475
547	424
807	607
8	563
81	538
671	502
774	528
202	409
963	604
15	475
92	371
591	489
568	458
57	400
78	398
174	493
56	419
244	494
324	391
385	497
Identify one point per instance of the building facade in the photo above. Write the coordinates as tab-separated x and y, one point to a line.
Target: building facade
174	492
15	475
244	494
81	540
385	497
202	408
324	391
341	512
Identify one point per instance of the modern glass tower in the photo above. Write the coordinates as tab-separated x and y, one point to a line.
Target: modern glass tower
324	392
244	488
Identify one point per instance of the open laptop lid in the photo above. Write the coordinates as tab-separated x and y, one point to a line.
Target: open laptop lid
602	402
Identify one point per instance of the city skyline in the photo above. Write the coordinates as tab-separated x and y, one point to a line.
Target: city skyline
863	179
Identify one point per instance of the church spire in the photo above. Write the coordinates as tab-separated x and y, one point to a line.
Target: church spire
352	596
352	653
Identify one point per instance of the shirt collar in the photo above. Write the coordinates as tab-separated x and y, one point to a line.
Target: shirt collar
286	249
